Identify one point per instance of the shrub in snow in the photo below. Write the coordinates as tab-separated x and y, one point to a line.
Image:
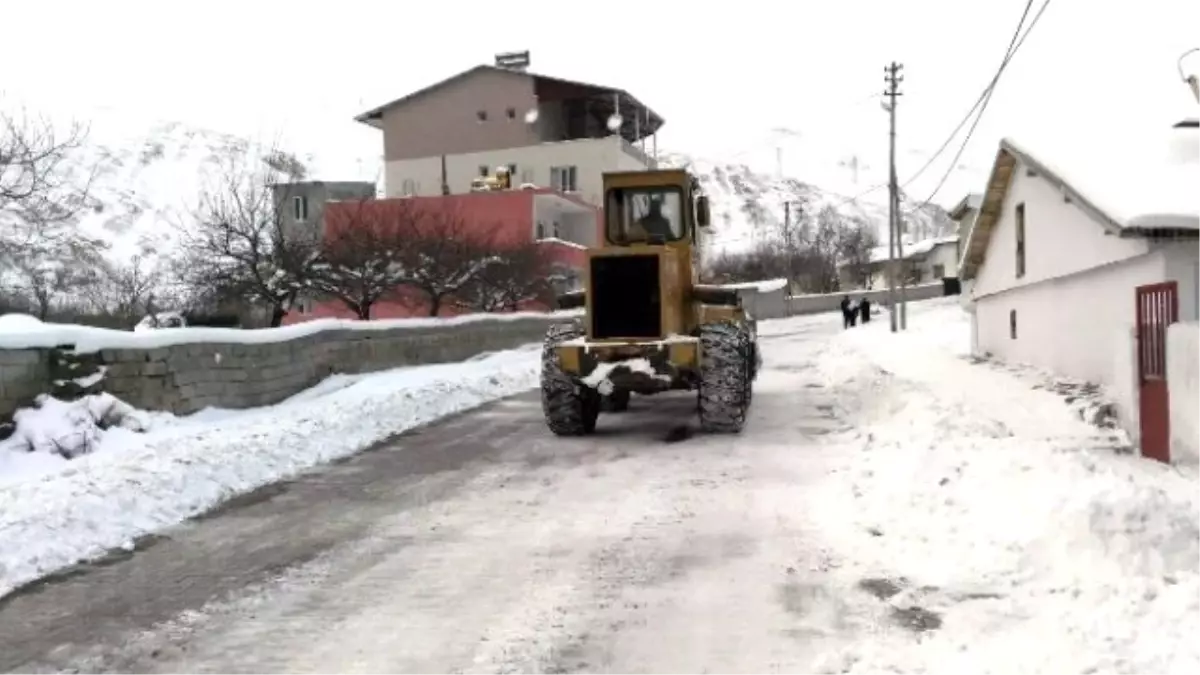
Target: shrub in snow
70	428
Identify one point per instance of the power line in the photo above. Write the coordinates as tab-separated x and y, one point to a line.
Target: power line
982	108
1013	44
1008	54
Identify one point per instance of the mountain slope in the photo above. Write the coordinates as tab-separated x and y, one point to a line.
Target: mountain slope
146	185
748	207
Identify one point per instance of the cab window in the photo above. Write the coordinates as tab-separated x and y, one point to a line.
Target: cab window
645	215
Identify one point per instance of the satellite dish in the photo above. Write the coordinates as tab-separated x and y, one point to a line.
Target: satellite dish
532	116
614	122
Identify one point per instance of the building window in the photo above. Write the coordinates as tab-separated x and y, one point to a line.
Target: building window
512	171
300	208
563	178
526	176
481	115
1020	224
939	271
483	171
557	232
512	113
541	231
1012	324
408	188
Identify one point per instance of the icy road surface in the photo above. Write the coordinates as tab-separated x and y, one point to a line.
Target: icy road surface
484	544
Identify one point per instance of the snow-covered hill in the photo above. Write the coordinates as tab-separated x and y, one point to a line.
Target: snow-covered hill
146	184
748	206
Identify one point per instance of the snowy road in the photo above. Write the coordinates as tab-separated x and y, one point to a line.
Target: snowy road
483	544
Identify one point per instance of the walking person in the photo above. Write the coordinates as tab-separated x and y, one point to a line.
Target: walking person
864	308
853	313
846	320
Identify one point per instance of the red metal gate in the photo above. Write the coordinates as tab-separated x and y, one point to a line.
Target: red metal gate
1157	308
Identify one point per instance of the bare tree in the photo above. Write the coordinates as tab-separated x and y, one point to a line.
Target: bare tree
517	274
128	292
238	243
42	181
855	243
52	272
363	253
444	257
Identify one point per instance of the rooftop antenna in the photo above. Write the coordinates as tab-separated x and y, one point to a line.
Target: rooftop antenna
1193	83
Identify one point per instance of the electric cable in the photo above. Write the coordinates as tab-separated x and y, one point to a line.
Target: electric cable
982	108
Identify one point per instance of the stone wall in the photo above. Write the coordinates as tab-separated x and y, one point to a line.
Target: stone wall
829	302
184	378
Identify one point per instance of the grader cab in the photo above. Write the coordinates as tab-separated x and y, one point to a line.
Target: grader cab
648	326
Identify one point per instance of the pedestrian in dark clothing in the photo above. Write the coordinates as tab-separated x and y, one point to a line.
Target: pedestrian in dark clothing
847	321
864	308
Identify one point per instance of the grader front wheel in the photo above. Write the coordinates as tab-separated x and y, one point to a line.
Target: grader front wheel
570	408
725	376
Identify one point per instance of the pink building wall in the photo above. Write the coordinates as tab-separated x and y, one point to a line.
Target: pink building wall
508	215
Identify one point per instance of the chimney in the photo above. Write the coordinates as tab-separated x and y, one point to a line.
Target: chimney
518	61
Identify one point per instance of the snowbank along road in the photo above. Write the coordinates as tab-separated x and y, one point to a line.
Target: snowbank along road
840	532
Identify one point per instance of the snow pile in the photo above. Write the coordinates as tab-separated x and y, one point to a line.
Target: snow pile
135	484
990	506
67	428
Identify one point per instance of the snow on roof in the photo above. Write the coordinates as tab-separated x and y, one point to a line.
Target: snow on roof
1139	181
25	332
913	249
768	286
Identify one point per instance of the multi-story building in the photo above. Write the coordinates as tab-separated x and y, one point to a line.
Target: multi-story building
547	131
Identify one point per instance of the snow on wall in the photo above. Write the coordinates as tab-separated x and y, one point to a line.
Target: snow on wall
1183	378
1123	389
1079	326
187	369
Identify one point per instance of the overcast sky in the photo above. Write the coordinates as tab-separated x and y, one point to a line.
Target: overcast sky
723	74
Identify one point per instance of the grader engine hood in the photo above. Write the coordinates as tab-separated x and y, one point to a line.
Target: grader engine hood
635	293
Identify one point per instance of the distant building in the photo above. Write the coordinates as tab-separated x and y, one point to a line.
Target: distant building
300	205
924	262
547	131
964	213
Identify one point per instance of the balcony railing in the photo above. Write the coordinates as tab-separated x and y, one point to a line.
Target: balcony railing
637	153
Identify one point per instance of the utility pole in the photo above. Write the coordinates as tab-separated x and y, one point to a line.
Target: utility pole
900	254
895	247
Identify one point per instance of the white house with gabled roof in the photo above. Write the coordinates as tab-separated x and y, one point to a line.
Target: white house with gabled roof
1064	237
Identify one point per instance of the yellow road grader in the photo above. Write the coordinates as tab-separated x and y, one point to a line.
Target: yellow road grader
649	326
